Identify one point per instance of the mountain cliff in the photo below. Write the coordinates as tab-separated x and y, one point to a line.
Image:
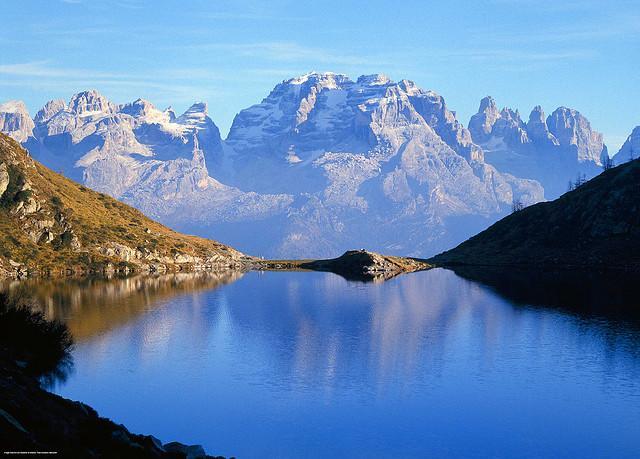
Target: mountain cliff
50	224
595	225
552	151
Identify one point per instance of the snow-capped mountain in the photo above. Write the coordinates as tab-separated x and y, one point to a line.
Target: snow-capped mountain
108	146
552	151
322	164
630	148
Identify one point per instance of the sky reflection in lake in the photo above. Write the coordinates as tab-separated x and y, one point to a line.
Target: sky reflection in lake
310	365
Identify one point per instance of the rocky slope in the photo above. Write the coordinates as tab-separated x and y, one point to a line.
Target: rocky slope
49	223
596	225
34	354
552	151
370	162
32	419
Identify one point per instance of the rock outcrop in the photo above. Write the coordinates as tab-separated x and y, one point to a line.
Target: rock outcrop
367	266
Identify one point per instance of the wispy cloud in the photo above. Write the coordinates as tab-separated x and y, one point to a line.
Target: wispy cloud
585	32
508	55
247	16
281	51
42	75
43	69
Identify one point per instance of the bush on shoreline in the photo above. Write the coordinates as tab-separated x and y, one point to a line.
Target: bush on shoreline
40	345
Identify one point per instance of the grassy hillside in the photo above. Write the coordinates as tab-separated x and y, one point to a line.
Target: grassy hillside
50	223
597	224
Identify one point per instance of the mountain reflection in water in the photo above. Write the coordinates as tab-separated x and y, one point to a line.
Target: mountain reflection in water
304	364
93	305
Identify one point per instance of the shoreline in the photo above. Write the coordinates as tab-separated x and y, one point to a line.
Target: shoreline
33	419
353	265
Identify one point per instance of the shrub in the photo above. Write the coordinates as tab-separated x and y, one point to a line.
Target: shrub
28	336
56	202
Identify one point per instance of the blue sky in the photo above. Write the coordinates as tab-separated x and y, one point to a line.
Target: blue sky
581	54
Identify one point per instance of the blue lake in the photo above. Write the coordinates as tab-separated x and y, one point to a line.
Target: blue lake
292	364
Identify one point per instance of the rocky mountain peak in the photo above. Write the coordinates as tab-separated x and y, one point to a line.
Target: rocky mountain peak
488	105
537	115
324	79
138	108
50	109
15	120
13	106
511	115
90	102
171	114
571	128
537	128
481	124
196	115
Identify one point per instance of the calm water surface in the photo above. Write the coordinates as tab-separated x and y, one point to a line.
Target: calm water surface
311	365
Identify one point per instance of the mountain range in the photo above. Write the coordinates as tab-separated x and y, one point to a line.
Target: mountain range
50	224
322	164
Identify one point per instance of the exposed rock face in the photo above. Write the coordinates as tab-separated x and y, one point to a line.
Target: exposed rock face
537	129
15	120
630	149
552	151
109	147
4	178
481	124
574	130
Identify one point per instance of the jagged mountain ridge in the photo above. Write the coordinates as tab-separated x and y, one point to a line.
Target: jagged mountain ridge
323	164
552	151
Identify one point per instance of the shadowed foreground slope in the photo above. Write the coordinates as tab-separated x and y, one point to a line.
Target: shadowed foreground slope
35	352
595	225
